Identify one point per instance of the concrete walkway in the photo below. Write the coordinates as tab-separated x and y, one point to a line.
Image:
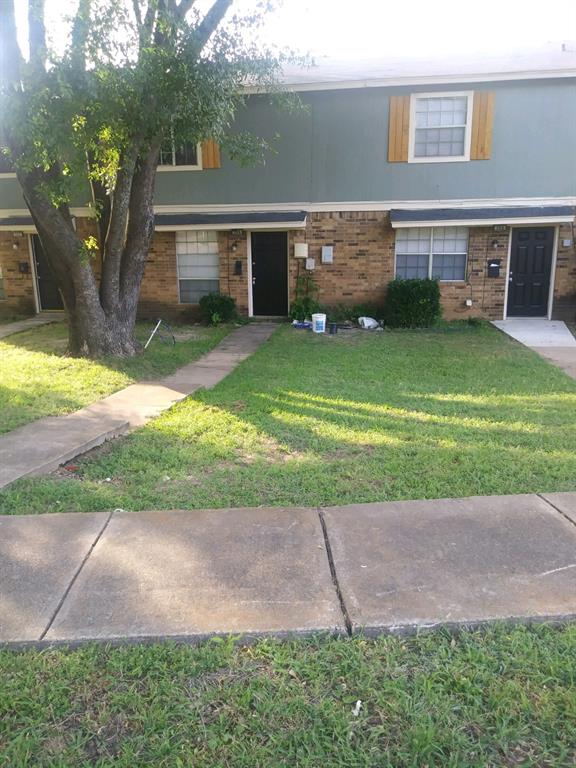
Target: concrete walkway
390	567
550	338
42	446
8	329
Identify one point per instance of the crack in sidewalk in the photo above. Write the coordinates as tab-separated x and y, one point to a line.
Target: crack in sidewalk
332	566
74	578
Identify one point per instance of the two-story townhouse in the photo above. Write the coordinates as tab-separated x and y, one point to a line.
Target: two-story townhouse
463	170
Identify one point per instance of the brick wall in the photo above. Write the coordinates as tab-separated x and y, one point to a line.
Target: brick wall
564	302
363	265
364	244
18	286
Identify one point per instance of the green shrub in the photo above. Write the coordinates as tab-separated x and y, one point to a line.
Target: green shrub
305	303
412	303
216	308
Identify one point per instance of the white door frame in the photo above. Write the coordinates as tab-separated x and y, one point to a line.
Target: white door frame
32	257
556	229
249	269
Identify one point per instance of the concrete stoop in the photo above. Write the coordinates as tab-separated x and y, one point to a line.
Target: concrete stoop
393	567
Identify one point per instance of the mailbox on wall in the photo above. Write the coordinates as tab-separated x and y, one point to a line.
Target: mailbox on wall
494	267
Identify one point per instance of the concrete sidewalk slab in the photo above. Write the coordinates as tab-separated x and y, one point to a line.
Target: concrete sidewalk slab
564	502
537	331
562	357
39	556
453	561
180	573
9	329
43	445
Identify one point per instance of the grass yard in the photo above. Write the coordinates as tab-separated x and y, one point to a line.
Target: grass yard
331	420
501	698
38	379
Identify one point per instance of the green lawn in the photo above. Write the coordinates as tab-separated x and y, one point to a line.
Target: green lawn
330	420
38	379
499	698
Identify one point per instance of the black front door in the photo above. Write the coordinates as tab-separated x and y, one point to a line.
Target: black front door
48	294
270	273
530	271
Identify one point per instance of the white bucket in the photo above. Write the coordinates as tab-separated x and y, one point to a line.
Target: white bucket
319	323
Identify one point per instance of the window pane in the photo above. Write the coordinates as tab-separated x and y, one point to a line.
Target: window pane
186	154
166	156
413	240
449	266
440	129
2	291
410	266
450	240
191	291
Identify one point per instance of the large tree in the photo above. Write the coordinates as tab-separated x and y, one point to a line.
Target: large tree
92	120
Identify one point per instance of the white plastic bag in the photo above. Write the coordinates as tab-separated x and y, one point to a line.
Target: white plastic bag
368	323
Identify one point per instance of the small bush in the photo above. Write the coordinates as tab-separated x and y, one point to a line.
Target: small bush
413	303
304	308
216	308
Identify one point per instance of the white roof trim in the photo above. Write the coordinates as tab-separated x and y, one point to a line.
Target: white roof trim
274	225
483	222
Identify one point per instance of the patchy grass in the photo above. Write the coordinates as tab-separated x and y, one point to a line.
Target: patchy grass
501	698
38	379
330	420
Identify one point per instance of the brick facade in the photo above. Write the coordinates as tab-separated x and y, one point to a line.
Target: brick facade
17	281
362	268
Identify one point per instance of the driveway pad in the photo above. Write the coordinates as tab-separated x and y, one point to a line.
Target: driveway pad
193	573
564	502
460	561
37	564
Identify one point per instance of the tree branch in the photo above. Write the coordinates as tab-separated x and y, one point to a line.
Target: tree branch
210	22
183	7
10	55
80	32
37	35
137	14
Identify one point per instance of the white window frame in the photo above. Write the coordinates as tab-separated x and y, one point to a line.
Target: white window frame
467	136
178	278
174	167
431	254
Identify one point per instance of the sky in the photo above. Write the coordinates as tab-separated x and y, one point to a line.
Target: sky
378	28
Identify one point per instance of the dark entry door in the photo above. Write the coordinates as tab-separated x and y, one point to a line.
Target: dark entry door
48	295
530	271
270	273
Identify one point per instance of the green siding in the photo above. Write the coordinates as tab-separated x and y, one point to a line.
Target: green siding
336	150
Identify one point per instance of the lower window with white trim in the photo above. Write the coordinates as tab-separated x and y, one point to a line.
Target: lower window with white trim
198	264
436	252
2	291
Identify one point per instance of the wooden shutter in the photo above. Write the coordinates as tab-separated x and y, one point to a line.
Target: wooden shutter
210	154
482	119
398	129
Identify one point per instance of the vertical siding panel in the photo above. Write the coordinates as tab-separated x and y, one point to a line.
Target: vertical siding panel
482	120
210	154
398	128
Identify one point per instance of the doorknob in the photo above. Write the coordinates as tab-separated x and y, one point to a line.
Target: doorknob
510	277
253	281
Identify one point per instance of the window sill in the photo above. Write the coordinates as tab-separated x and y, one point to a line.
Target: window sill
167	168
438	159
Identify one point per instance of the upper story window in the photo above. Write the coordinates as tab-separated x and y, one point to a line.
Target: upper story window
440	127
436	252
186	156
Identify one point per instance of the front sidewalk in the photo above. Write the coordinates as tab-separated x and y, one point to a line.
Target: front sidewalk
43	445
382	567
